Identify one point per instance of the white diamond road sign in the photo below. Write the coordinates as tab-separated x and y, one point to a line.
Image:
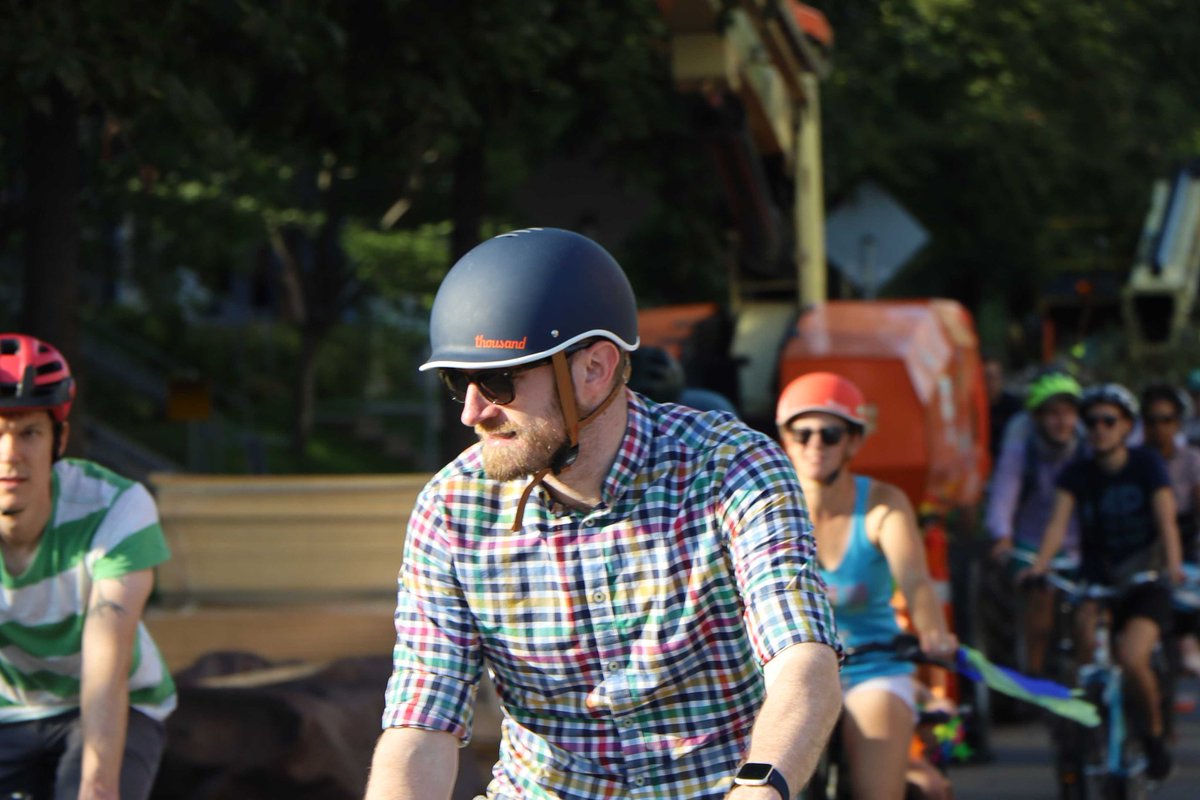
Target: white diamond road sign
870	236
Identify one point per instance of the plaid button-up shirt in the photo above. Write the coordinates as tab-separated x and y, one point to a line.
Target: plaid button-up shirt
625	642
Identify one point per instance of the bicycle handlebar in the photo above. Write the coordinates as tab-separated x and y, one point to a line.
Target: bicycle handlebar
1185	595
903	647
1082	590
1058	563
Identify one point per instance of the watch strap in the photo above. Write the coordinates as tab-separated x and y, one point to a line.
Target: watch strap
774	779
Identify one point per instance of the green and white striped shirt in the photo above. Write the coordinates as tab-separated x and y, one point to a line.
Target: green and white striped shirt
102	526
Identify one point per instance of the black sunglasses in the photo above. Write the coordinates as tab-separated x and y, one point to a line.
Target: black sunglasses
830	435
498	386
1161	419
1107	420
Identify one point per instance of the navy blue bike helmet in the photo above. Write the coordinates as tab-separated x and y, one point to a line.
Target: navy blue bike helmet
525	295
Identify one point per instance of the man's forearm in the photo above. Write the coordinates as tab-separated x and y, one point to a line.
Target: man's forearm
804	698
104	719
413	764
103	710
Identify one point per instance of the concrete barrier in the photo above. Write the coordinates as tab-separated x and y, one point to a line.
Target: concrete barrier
287	567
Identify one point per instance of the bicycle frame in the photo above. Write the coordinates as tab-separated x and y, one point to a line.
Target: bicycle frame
830	780
1101	679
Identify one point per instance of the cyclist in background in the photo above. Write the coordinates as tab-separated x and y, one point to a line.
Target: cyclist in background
867	538
84	690
1003	404
1038	445
1191	424
1164	408
1126	511
658	375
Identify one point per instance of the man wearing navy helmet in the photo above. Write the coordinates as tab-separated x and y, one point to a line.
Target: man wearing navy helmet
637	577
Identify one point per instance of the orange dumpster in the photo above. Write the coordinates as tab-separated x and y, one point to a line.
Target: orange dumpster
916	362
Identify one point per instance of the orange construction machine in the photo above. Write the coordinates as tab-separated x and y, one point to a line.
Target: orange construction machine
917	362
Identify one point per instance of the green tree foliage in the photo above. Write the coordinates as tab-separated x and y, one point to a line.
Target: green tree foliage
1023	134
243	136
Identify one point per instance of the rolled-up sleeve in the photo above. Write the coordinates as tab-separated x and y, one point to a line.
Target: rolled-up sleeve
774	554
437	661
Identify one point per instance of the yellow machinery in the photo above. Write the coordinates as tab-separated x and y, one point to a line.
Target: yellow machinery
1159	297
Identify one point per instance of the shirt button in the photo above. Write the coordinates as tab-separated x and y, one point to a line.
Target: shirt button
599	596
612	666
639	781
625	722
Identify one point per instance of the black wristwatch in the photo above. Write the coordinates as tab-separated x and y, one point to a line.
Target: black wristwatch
756	774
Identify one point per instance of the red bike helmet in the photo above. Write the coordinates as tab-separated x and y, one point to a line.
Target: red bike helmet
822	391
34	375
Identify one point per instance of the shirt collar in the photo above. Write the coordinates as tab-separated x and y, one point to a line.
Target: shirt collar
634	452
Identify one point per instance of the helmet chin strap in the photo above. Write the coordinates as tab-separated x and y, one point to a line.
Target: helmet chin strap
566	455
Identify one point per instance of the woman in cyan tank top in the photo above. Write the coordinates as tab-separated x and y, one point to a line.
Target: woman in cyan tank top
867	543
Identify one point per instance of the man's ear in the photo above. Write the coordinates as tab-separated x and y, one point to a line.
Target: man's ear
600	363
64	433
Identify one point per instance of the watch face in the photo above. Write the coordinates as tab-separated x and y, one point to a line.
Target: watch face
754	772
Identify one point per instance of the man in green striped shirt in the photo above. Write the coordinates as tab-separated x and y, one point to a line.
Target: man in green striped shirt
83	689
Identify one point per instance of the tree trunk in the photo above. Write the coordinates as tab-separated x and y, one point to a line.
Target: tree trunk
468	196
304	401
50	307
51	304
327	293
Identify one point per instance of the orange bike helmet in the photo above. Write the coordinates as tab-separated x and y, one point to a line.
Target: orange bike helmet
822	391
34	375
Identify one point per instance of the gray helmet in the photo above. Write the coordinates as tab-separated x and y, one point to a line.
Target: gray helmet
525	295
1113	394
657	374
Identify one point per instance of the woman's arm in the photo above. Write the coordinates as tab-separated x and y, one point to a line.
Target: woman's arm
1056	532
897	536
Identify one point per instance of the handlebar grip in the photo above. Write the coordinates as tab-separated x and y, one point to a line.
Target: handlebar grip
904	647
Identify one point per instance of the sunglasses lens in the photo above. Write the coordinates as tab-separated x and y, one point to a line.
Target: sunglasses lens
495	386
456	382
831	436
1101	419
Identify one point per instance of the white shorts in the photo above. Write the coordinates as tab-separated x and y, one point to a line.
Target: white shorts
901	686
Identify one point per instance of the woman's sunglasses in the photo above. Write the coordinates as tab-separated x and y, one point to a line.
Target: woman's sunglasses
498	386
830	435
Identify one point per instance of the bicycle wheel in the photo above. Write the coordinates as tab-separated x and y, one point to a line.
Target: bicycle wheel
997	634
1070	765
1125	787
